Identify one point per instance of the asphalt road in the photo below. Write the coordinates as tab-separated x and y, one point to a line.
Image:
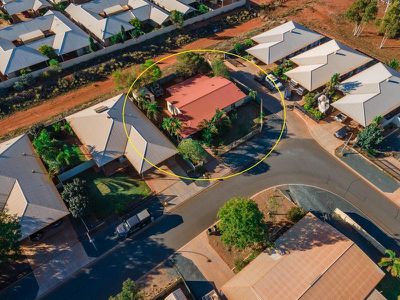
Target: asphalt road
297	160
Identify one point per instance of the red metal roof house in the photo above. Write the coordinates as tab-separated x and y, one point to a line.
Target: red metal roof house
197	99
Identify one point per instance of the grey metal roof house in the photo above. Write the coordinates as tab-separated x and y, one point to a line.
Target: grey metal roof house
318	65
13	7
282	41
19	43
25	187
105	18
100	128
373	92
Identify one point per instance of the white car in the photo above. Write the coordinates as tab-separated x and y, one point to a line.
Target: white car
274	82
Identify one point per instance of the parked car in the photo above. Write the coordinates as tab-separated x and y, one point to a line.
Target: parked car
133	224
274	82
342	133
340	117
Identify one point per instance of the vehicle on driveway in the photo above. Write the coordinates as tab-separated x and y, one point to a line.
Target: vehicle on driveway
342	133
274	82
340	117
133	224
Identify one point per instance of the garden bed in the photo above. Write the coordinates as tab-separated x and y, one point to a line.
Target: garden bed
58	147
115	194
277	223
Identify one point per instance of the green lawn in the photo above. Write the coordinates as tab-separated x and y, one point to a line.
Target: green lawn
389	287
113	194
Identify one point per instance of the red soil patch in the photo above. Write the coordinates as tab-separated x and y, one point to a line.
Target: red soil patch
63	103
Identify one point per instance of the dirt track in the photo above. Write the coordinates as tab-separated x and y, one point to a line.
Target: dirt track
321	15
58	105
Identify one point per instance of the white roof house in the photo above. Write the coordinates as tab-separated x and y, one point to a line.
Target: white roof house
282	41
13	7
170	5
105	18
19	43
25	187
101	129
373	92
318	65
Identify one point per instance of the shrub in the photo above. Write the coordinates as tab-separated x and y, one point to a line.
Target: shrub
48	51
177	18
189	64
219	68
192	150
203	9
296	213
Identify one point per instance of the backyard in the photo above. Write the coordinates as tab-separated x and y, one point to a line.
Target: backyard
58	147
113	194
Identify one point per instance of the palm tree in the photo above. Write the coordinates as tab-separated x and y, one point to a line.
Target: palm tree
152	110
392	263
332	85
172	125
221	120
253	94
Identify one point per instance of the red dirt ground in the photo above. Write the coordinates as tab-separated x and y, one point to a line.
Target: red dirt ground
58	105
321	15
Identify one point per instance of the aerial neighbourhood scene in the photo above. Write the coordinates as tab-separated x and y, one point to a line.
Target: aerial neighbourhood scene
199	149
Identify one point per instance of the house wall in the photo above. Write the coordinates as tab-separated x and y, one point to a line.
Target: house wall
173	109
10	82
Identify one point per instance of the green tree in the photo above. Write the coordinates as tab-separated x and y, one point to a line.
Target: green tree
190	63
129	292
203	9
332	85
219	68
48	51
371	136
10	234
152	110
177	18
137	28
192	150
46	146
75	195
211	129
389	25
152	74
241	223
172	125
92	45
123	78
361	12
391	263
394	64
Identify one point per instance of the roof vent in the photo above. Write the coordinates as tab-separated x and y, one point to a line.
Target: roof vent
23	154
33	171
101	109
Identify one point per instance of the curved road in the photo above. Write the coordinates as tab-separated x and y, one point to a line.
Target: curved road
298	159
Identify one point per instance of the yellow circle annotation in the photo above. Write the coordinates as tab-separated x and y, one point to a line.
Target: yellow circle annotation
201	178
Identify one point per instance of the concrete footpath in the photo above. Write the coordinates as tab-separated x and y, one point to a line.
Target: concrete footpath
358	164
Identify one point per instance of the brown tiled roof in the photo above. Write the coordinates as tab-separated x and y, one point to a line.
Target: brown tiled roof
313	261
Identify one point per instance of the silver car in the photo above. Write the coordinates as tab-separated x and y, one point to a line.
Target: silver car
133	223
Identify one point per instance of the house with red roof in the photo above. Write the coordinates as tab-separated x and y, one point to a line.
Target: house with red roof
197	98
